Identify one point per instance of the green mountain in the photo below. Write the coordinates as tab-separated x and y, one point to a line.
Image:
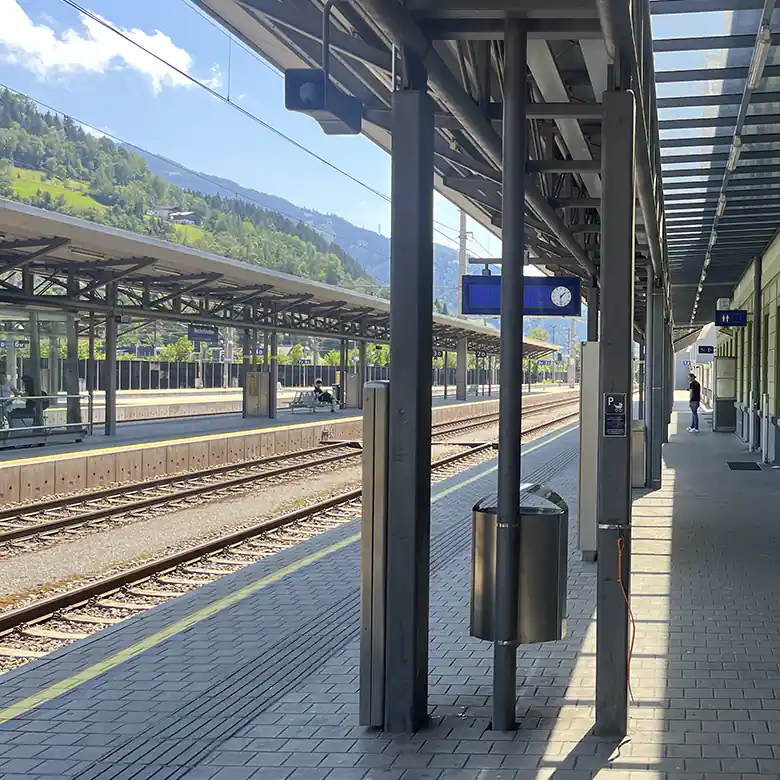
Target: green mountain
49	161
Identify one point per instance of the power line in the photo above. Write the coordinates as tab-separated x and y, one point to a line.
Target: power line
219	96
232	38
229	102
192	172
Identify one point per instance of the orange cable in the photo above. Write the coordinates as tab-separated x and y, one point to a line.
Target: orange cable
621	544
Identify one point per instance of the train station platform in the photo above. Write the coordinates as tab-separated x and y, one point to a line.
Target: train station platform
148	450
255	676
154	431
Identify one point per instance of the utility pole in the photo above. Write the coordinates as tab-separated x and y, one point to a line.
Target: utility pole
462	267
571	376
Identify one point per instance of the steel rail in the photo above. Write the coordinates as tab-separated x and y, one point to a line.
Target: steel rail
44	608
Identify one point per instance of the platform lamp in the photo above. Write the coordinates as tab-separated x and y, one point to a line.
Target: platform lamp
310	91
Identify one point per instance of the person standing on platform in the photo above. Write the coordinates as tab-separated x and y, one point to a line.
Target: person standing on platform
695	401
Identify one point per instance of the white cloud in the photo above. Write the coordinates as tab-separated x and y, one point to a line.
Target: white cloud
93	49
215	80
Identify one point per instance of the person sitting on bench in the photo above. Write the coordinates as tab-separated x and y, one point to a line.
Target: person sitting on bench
323	396
33	407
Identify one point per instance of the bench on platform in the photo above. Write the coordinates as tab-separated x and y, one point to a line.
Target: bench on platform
305	399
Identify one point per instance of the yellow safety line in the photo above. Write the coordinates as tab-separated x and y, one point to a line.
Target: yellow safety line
206	437
51	458
171	630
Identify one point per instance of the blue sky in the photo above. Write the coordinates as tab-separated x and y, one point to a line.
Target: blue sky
51	53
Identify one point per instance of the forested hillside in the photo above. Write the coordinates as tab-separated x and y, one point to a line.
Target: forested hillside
51	162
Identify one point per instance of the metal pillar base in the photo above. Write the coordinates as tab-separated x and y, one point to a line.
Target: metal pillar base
612	632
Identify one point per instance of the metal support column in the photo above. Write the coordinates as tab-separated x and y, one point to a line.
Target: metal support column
593	311
446	370
245	370
91	374
10	361
343	354
73	402
53	385
641	379
755	380
35	364
362	371
273	379
615	385
110	366
510	401
656	355
461	369
411	339
668	383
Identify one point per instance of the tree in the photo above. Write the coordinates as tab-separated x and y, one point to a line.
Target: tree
540	334
332	358
295	355
180	351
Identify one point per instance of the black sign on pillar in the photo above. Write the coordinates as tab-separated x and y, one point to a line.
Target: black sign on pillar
705	349
615	414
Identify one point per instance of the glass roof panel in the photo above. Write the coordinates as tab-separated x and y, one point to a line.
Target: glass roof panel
693	64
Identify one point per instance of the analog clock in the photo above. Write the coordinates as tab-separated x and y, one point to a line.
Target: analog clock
561	296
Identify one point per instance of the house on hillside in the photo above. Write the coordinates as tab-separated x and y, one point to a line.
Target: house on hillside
161	212
185	218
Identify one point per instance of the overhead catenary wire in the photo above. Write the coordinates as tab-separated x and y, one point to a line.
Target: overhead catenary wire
202	176
226	99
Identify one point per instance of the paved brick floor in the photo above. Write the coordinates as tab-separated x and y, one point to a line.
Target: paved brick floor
268	687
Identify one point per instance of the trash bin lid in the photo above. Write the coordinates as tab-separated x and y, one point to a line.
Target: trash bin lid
489	504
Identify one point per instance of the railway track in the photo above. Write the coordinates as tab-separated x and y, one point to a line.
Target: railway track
42	626
54	516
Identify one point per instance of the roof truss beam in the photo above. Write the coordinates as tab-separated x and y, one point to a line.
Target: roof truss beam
309	25
498	9
493	29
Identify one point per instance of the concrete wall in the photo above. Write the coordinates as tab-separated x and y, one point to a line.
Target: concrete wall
30	479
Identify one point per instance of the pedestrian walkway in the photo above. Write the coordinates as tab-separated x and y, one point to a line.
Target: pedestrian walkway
255	676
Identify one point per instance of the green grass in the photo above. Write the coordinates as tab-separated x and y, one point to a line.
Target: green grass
26	184
189	233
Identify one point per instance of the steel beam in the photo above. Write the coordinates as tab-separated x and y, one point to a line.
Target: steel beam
702	6
305	24
563	166
724	99
409	487
704	43
401	27
493	29
614	472
498	9
709	74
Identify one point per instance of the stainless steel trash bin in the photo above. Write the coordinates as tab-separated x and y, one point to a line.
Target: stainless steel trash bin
541	569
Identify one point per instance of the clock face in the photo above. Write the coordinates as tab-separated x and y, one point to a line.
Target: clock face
561	296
